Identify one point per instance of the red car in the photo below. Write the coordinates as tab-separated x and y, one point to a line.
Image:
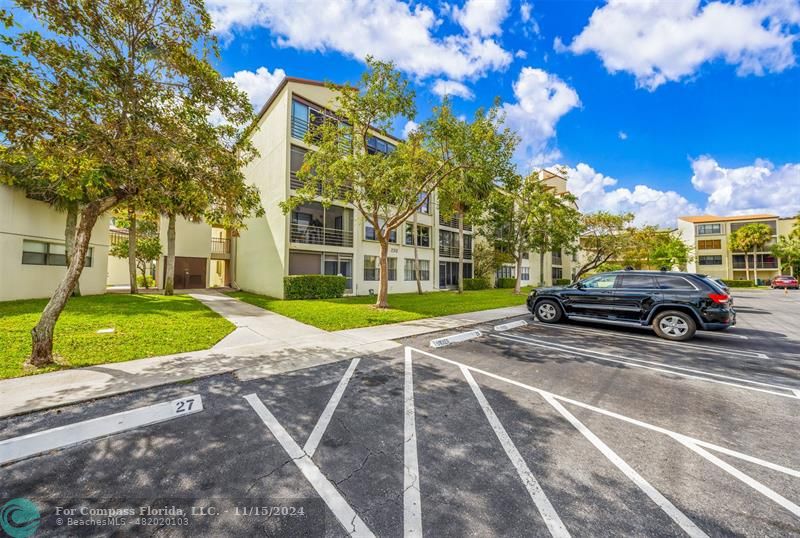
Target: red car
784	281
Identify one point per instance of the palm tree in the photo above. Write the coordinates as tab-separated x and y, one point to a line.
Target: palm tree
749	238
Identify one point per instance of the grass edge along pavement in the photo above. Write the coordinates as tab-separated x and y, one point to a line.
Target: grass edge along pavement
358	311
144	326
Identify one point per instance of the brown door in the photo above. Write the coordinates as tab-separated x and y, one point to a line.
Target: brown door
189	272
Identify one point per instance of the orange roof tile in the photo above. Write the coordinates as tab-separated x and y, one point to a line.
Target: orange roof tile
713	218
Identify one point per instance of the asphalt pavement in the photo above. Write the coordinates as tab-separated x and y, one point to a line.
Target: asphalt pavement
535	430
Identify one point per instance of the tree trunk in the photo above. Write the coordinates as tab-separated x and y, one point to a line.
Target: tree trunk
517	286
755	266
42	333
460	251
132	250
541	268
416	254
746	266
169	282
69	239
383	284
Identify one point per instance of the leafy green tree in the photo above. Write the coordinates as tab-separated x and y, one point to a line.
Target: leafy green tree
486	259
669	251
92	100
386	189
604	239
650	247
749	238
148	246
787	249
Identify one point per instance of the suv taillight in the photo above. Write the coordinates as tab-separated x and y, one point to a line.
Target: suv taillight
719	298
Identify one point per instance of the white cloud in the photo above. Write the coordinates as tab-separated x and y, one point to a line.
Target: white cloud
526	16
597	192
541	100
452	88
387	29
521	54
409	127
622	135
482	17
258	84
659	41
759	188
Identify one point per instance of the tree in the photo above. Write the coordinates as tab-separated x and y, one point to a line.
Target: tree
787	249
749	238
604	238
386	189
91	99
650	247
486	259
669	251
148	246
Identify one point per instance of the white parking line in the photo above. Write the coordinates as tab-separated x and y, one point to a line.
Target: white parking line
412	505
653	340
324	419
676	515
548	513
25	446
755	484
640	423
347	517
660	367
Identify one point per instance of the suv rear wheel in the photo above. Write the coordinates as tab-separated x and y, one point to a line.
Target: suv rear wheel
674	325
548	311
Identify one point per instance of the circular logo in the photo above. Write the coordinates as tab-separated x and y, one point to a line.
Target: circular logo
19	518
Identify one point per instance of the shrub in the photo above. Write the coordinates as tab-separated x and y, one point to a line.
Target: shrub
476	284
739	283
151	282
562	282
506	282
313	286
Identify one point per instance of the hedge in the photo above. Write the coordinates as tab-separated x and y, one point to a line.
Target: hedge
739	283
506	282
563	282
313	286
476	284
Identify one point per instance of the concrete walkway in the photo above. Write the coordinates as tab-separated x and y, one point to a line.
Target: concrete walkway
264	343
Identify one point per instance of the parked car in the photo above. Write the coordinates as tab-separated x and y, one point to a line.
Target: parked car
675	305
784	281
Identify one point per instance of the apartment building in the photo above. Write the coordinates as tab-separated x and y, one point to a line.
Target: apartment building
557	264
33	260
709	237
334	240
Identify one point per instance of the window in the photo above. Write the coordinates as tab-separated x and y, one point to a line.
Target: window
423	235
426	202
526	255
709	244
525	273
601	282
556	257
376	145
371	268
424	269
506	271
666	282
556	273
709	229
709	260
638	282
392	268
296	161
41	253
371	235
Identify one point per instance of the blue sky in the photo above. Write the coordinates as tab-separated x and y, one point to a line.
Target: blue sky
658	107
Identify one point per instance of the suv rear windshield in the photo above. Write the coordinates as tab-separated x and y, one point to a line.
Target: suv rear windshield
666	282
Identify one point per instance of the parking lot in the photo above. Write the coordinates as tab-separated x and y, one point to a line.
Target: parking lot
526	430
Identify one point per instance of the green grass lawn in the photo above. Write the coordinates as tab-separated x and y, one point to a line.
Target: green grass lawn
352	312
145	326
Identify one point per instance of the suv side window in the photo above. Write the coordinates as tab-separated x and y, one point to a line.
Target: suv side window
600	281
639	282
674	283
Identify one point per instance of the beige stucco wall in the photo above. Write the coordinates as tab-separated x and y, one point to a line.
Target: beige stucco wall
22	218
192	240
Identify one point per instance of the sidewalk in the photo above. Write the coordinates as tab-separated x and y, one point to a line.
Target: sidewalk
264	343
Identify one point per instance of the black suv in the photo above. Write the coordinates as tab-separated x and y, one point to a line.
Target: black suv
674	304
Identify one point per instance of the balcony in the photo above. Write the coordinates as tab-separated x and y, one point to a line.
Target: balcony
220	248
317	235
118	236
448	251
453	223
